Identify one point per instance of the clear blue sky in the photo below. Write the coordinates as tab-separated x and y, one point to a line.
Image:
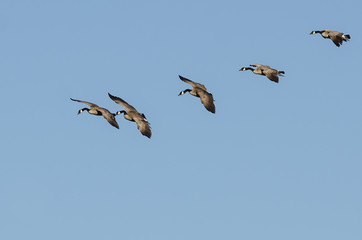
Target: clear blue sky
277	161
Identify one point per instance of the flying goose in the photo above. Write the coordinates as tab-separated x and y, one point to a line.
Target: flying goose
336	37
131	114
98	111
269	72
199	91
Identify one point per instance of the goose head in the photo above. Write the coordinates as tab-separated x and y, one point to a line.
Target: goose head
184	91
120	112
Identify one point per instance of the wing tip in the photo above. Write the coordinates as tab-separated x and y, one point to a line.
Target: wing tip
147	134
114	98
110	95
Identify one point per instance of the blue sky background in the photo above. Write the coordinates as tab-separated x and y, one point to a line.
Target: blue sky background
276	161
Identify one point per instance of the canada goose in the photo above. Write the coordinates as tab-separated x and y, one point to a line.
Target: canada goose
199	91
336	37
98	111
131	114
265	70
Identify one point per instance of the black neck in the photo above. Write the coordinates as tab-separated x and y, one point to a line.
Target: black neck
184	91
248	68
83	109
120	112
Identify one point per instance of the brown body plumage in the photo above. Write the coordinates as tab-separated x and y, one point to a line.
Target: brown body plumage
200	91
131	114
265	70
98	111
336	37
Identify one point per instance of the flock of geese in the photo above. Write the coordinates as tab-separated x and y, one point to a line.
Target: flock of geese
198	90
131	114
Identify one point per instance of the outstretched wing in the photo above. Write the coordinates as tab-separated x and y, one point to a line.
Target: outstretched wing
109	117
143	125
88	103
272	74
207	100
123	103
192	83
260	66
336	39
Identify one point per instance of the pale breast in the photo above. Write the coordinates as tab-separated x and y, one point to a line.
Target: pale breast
94	111
128	117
